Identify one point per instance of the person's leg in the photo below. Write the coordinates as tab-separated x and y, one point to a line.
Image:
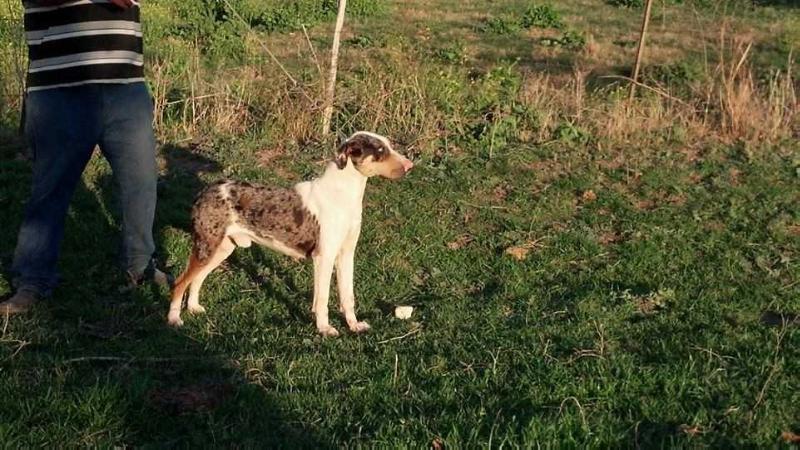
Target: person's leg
62	131
128	142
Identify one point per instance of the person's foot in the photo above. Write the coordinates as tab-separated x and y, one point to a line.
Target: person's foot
151	274
20	302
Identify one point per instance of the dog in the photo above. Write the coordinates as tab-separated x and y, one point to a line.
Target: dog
320	219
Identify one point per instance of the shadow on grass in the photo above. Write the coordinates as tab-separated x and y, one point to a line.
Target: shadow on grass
778	3
259	258
178	185
529	60
94	366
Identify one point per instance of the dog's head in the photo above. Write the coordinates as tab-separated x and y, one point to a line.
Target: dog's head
372	154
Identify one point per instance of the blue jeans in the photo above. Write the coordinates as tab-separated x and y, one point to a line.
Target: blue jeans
63	125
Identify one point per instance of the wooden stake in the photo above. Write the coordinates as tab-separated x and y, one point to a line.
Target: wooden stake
640	49
330	89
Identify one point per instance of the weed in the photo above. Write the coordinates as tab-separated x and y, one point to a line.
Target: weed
573	40
362	41
626	3
681	73
272	16
536	16
499	25
541	16
570	39
567	132
679	78
453	54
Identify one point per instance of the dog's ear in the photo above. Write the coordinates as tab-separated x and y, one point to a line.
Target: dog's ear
341	156
349	149
341	161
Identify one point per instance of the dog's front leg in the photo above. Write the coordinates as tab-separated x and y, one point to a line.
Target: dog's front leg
323	270
344	279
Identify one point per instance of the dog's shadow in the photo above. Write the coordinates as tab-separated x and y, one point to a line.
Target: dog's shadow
274	280
182	170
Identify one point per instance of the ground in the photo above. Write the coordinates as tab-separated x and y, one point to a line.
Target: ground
586	272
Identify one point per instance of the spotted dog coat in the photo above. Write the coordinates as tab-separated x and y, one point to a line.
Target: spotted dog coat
272	213
320	219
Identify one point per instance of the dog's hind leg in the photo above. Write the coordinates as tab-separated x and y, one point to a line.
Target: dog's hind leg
222	252
196	272
192	269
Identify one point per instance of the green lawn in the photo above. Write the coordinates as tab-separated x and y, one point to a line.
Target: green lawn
573	288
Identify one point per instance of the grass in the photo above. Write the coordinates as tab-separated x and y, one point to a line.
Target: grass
586	273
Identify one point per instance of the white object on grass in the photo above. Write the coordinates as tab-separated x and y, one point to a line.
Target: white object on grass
403	312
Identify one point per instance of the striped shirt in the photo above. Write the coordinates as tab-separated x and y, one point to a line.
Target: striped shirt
82	42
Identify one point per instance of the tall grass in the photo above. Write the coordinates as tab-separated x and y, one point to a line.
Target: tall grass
419	102
422	102
728	103
12	61
748	109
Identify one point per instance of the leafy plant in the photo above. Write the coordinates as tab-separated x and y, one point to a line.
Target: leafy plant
679	75
536	16
571	39
568	132
626	3
499	25
541	16
361	41
452	54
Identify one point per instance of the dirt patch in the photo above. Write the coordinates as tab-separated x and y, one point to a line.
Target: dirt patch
644	204
714	225
609	237
460	242
500	192
268	155
521	252
676	199
611	164
734	175
191	399
547	170
660	198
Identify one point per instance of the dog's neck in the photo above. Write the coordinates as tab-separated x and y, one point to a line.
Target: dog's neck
346	184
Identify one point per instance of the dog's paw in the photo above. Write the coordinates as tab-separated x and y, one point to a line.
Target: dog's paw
328	331
360	327
195	309
174	320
